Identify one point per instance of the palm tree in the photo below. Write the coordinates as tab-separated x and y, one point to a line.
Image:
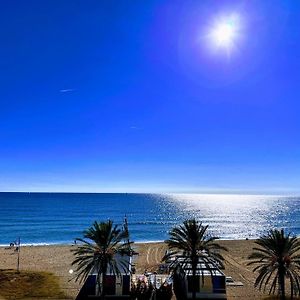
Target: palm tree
192	242
277	259
97	251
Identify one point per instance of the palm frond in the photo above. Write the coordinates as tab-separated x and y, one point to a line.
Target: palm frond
277	257
97	249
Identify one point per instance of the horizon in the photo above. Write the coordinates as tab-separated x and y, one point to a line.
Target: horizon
208	193
123	96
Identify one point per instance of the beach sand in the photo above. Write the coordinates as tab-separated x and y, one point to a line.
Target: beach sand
57	260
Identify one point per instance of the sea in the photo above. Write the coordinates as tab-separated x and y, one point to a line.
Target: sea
59	218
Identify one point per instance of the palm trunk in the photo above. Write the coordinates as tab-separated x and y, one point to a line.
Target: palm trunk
104	270
98	282
103	286
281	279
194	269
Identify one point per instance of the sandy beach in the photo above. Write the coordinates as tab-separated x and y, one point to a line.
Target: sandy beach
57	259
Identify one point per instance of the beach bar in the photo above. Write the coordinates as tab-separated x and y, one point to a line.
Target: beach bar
210	283
116	286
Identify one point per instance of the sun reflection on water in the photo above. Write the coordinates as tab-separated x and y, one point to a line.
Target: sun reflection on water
233	216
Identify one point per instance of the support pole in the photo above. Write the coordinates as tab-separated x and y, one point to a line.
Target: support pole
18	261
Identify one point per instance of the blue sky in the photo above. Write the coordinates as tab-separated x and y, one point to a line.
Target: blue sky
131	96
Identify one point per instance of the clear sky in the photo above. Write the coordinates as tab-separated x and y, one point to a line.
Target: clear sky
127	96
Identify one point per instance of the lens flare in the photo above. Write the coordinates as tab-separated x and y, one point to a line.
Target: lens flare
225	32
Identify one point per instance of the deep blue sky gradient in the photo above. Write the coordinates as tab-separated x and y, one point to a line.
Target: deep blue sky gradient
130	96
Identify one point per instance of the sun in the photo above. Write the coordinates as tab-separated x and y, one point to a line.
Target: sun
224	32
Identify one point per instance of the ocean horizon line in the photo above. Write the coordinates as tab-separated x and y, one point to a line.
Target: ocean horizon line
246	193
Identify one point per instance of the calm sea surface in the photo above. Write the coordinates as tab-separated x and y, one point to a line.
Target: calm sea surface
59	218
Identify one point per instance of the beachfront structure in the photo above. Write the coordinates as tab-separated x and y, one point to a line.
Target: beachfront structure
210	282
116	286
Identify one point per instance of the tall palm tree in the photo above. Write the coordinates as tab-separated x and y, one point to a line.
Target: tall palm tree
277	259
192	242
97	251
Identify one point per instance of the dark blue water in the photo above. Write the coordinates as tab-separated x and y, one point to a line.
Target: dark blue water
59	218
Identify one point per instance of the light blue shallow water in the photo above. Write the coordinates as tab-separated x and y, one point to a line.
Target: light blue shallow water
59	218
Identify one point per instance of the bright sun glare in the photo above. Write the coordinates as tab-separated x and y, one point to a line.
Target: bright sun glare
224	32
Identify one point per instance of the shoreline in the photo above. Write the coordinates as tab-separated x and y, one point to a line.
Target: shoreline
134	243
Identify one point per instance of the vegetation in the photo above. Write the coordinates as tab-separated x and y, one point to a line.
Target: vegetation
278	261
192	241
97	251
29	285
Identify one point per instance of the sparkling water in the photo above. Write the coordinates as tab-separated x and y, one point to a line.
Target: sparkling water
58	218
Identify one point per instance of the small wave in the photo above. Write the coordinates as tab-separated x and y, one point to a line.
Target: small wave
41	244
148	242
